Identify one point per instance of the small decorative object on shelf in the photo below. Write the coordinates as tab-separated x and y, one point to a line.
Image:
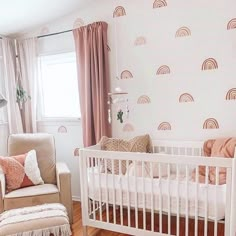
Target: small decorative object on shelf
120	115
21	96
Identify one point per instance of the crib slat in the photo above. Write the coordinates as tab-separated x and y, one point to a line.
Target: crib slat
228	201
93	187
106	184
121	197
128	197
196	201
89	201
113	192
169	210
136	195
100	189
152	201
144	198
186	207
177	218
206	202
160	198
216	205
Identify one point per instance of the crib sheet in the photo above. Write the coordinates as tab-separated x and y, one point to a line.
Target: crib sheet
127	189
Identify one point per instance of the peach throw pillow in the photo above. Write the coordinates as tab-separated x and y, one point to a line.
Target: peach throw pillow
21	171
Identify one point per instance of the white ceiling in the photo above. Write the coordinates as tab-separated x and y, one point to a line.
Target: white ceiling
23	15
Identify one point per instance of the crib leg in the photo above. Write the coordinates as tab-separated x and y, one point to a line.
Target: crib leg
85	231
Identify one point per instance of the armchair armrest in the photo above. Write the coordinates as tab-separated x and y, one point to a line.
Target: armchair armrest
2	190
64	185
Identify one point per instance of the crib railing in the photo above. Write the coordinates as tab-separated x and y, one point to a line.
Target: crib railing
121	192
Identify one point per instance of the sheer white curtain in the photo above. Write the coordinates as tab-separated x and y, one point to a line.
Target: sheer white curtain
9	77
27	62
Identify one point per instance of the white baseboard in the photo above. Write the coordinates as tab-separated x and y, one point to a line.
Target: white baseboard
76	198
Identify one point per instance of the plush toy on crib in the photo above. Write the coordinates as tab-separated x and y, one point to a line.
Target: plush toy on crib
221	147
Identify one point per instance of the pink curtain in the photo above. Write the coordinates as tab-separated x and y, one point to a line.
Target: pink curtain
93	80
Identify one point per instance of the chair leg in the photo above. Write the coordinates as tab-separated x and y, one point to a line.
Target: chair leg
85	231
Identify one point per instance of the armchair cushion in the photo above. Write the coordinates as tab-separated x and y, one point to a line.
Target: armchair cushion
44	146
33	191
21	171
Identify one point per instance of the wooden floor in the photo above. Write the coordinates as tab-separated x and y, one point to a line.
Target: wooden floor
77	228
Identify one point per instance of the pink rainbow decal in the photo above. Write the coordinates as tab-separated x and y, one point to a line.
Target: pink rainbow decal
164	126
76	152
126	75
128	127
231	94
159	3
186	97
62	129
163	70
211	123
144	99
119	11
183	32
44	30
209	64
78	23
140	41
231	24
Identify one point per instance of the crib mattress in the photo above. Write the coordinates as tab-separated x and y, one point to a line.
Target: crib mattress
159	194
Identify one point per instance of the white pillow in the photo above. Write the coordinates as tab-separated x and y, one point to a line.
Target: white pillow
147	170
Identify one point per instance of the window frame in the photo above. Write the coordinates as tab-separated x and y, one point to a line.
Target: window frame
41	109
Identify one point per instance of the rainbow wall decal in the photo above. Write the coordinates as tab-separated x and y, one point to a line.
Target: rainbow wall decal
119	11
128	127
140	41
183	32
209	64
144	99
231	94
78	23
62	129
164	126
211	123
159	3
163	70
231	24
76	152
186	97
44	30
126	75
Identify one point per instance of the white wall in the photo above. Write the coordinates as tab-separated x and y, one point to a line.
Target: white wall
207	21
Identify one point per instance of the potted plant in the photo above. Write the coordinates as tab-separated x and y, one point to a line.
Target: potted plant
21	96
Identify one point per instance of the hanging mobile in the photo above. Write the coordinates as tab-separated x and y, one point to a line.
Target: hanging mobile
127	110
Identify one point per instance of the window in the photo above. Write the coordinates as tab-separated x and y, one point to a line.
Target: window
59	86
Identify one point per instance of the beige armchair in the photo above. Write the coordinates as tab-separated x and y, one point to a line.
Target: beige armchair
56	176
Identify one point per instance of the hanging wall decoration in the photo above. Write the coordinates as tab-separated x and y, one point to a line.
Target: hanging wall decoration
115	98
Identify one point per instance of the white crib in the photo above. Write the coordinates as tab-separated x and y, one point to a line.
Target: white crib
170	204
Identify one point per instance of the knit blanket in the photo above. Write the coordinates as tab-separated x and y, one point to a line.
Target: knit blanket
45	211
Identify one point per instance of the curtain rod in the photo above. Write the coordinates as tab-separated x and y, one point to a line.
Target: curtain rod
46	35
61	32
